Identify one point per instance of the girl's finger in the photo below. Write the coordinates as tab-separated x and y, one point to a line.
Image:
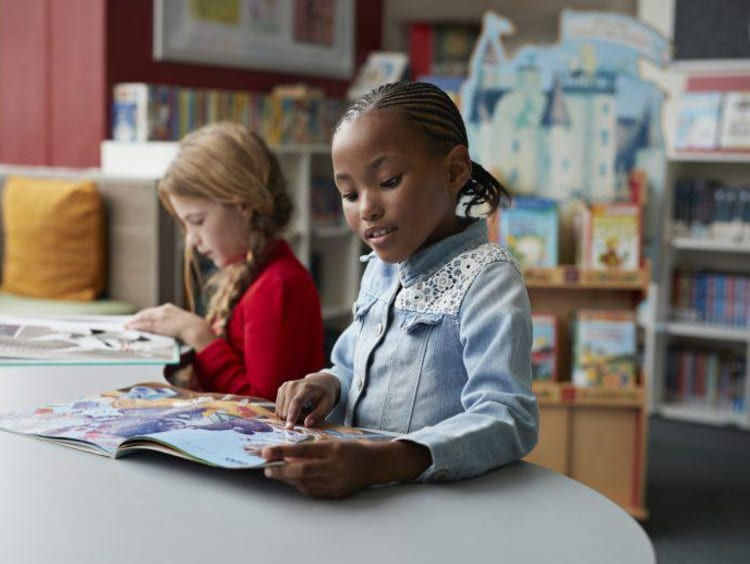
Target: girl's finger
295	407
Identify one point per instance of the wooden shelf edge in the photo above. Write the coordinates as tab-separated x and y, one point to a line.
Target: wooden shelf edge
638	513
564	393
573	277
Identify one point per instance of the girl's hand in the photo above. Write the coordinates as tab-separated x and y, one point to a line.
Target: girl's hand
334	469
316	393
172	321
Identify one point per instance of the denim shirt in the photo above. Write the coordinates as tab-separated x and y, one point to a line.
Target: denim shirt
439	352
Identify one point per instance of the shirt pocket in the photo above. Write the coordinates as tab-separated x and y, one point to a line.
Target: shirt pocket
362	306
419	338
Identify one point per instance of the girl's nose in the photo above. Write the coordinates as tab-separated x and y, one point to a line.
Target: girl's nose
370	208
191	240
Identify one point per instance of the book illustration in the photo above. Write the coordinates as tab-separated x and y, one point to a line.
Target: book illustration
220	430
544	347
605	349
615	237
381	67
529	230
735	121
698	120
84	339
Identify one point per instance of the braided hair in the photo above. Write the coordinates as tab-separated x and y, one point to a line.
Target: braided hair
227	163
432	111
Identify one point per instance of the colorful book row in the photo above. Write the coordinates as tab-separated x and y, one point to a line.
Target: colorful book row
711	297
154	112
706	378
707	209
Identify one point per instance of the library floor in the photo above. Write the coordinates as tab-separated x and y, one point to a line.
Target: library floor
698	493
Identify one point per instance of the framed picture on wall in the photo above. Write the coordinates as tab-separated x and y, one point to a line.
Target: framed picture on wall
312	37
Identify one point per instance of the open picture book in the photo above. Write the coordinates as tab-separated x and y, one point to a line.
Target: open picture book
220	430
81	339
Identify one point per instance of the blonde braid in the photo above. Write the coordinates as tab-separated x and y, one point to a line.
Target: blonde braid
227	286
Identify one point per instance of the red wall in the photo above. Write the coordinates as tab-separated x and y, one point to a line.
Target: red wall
24	107
59	61
77	85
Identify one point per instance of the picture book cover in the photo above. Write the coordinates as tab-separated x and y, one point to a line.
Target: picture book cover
544	347
698	121
614	237
529	230
81	339
735	121
604	348
221	430
380	67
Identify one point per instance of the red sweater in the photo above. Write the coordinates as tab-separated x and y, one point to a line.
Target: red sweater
275	333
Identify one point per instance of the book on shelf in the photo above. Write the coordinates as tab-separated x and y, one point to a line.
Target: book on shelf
222	430
698	121
325	203
612	237
705	378
734	132
708	209
442	49
381	67
720	298
81	340
604	348
529	230
143	112
544	347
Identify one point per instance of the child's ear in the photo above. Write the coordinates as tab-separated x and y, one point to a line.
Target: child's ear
459	167
245	210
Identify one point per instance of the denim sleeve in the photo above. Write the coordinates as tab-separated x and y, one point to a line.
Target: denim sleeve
500	420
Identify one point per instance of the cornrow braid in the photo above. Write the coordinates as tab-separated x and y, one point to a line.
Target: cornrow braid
435	114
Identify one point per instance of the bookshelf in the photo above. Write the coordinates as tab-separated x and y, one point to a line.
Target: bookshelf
595	435
700	362
328	248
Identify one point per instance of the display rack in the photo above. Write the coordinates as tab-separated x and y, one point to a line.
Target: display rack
594	435
694	253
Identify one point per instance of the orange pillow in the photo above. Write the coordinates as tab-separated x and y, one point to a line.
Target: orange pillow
54	239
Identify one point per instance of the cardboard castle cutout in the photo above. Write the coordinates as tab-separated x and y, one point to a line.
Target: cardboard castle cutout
572	119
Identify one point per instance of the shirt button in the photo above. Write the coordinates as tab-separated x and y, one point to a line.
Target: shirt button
379	329
360	383
354	308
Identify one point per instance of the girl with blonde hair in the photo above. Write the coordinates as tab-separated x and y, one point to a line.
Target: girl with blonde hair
263	321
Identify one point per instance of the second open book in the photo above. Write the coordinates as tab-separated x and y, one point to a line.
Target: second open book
221	430
81	339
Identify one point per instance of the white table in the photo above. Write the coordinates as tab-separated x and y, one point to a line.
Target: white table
61	505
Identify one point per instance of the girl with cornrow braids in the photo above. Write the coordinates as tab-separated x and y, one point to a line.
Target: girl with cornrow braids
263	323
439	350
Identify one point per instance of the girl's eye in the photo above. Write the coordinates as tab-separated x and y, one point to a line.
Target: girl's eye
391	182
349	197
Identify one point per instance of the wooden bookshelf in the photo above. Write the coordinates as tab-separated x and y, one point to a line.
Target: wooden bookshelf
596	435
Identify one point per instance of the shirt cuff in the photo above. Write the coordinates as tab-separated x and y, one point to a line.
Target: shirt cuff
446	452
